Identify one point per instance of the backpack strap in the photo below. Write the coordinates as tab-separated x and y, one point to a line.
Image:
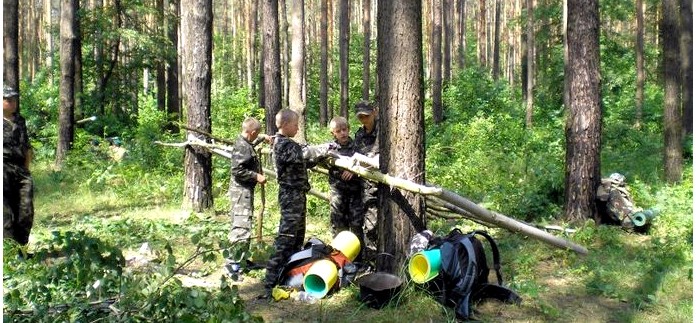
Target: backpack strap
494	250
498	292
314	249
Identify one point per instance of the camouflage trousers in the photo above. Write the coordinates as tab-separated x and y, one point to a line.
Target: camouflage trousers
291	233
18	204
370	205
241	213
347	212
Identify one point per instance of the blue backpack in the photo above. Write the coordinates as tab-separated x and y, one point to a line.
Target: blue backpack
463	278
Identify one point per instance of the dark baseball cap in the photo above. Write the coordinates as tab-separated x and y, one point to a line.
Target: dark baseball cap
9	92
364	107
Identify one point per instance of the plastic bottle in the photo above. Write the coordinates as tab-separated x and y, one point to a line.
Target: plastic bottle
305	297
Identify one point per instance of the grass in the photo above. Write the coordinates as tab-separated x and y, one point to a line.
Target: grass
625	278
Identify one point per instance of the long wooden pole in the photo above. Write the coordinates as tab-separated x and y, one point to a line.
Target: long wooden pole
443	197
465	204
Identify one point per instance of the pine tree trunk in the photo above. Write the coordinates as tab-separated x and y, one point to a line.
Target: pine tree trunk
529	97
672	122
297	63
584	119
366	50
687	51
343	43
323	69
496	41
253	48
462	35
173	98
66	116
285	60
481	42
79	85
196	27
161	76
10	31
271	64
447	41
523	56
640	61
436	61
402	143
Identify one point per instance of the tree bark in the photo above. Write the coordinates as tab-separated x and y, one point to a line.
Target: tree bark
173	98
271	64
584	123
496	42
343	43
323	69
461	39
366	50
481	42
285	59
253	47
687	50
436	61
523	56
196	27
79	85
529	97
672	122
447	41
640	61
66	117
161	76
297	63
10	30
402	143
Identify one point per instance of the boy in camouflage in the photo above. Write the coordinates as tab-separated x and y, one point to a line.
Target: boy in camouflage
367	143
347	208
246	173
291	166
18	185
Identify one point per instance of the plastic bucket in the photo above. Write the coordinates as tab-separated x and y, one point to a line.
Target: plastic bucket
348	243
320	277
424	265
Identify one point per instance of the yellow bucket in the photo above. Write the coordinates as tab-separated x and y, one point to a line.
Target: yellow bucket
348	243
320	277
424	265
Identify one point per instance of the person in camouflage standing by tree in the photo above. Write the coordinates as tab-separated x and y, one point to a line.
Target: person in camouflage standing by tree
291	162
246	173
18	185
367	143
346	198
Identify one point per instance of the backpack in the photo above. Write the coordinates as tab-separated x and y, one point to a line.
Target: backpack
463	277
299	263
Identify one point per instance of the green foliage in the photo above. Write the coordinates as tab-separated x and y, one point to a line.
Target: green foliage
73	274
490	156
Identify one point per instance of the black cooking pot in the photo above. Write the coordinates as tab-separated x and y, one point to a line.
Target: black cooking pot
378	289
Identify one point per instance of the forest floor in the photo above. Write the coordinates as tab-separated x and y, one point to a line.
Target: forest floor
624	278
558	297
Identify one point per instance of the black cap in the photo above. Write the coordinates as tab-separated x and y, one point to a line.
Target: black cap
364	107
9	92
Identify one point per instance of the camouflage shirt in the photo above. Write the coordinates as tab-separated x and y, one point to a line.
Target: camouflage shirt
245	162
15	141
335	172
290	164
367	143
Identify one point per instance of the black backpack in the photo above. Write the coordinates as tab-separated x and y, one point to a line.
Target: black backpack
463	276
